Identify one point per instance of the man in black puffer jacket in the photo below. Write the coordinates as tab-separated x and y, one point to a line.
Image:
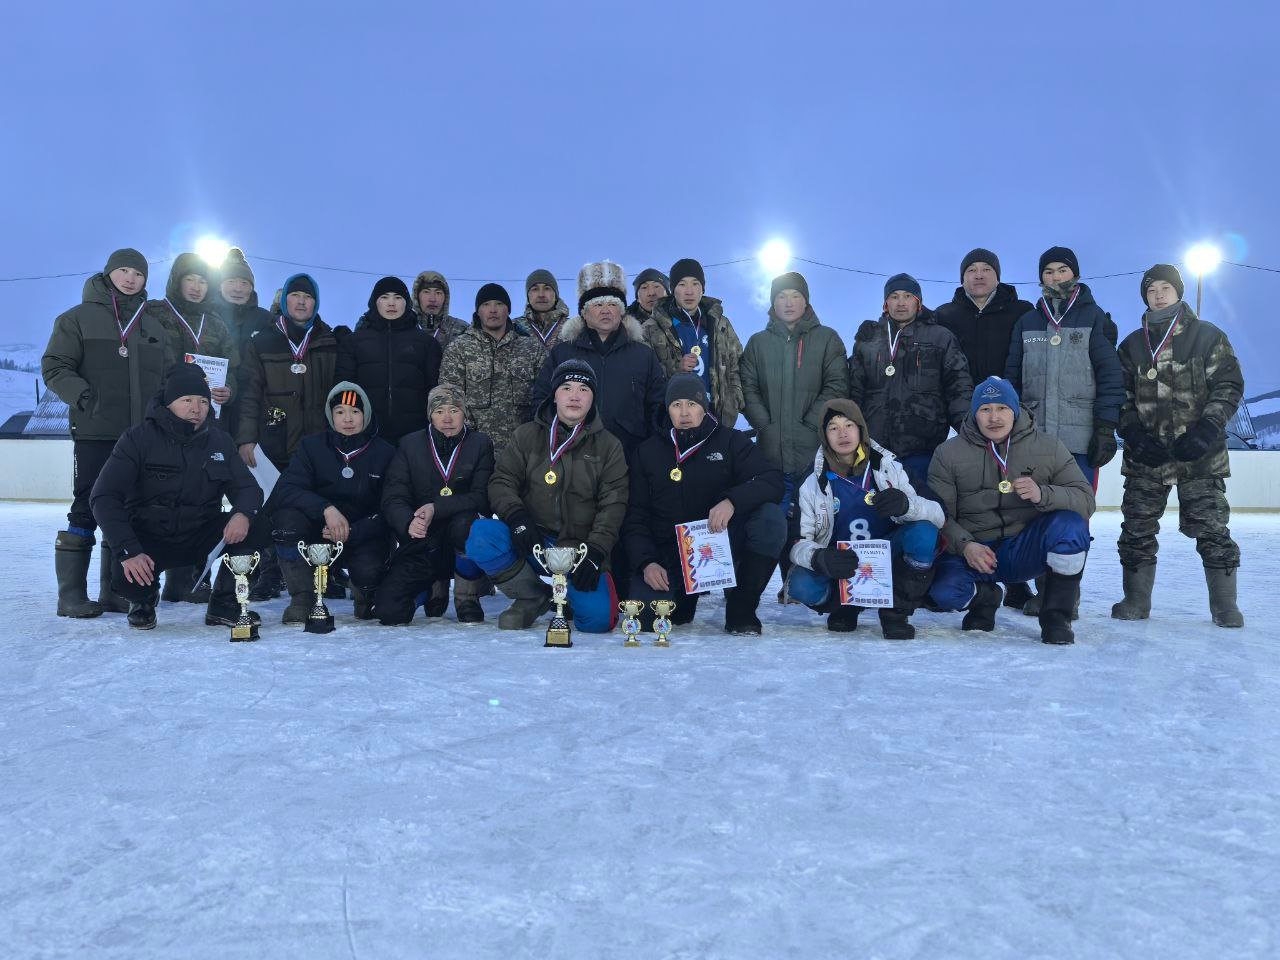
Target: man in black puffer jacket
393	358
159	497
982	314
332	490
724	478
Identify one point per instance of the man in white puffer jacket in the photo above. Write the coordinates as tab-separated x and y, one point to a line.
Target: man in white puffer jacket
859	491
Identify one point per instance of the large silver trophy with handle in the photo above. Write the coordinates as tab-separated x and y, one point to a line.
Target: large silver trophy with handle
241	566
319	556
559	562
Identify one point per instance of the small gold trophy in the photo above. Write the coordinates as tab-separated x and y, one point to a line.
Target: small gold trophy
241	566
662	623
319	556
559	562
631	620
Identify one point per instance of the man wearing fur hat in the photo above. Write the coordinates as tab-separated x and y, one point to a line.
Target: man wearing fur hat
544	315
909	377
562	480
332	491
159	497
859	491
105	360
690	334
436	486
612	343
1182	386
1017	507
431	303
651	285
493	364
703	468
393	359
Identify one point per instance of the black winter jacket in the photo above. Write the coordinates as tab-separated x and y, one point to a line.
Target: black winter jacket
165	480
414	479
984	336
313	480
397	363
728	466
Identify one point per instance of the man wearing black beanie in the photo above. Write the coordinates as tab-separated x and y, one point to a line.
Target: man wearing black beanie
982	314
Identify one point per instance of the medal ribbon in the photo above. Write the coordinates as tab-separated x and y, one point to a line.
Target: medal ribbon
124	330
195	334
1167	334
1057	324
1003	461
893	341
299	351
447	472
551	440
550	333
348	457
682	457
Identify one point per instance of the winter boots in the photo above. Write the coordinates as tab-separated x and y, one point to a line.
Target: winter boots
754	571
437	600
1016	595
1032	607
362	602
1060	596
909	586
532	597
1222	596
466	598
72	555
178	582
983	607
109	601
142	613
223	610
302	595
841	619
269	582
1138	583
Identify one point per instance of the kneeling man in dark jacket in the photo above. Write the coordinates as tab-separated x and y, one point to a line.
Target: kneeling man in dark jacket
158	500
702	469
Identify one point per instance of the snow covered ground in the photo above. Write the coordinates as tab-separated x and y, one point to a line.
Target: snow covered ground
17	392
455	792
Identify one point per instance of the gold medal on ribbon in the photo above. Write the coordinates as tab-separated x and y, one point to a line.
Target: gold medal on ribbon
1004	486
869	499
696	350
446	492
676	474
550	478
1055	339
1151	374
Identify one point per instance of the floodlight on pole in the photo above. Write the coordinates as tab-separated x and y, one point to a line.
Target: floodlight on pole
774	257
212	250
1202	259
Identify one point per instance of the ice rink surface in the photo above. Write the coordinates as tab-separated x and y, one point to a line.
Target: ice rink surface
434	791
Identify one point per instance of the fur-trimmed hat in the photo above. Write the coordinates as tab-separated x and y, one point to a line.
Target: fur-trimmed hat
602	279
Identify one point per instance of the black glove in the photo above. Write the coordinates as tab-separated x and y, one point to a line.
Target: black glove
1102	445
1145	449
890	503
587	577
524	534
1197	441
835	563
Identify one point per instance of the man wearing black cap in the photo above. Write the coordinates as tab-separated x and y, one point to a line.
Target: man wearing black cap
651	285
909	377
545	313
562	480
612	343
159	497
393	358
982	314
690	334
105	360
703	469
1182	386
493	364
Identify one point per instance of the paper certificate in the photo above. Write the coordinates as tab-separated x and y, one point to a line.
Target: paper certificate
872	585
215	371
706	559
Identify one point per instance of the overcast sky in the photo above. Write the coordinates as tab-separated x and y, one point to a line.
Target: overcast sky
487	139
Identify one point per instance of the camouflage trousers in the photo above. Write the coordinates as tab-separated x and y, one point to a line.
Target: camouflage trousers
1203	514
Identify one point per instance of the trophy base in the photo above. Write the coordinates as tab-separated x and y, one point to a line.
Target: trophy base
631	642
319	624
558	633
662	643
241	632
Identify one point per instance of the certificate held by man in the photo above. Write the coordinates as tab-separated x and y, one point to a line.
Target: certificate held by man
706	559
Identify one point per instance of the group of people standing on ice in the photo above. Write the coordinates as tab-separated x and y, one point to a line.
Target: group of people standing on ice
440	451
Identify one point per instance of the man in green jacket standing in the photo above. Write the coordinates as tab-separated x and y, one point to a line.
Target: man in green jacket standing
105	359
789	370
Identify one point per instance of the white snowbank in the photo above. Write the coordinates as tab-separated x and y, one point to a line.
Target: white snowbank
436	791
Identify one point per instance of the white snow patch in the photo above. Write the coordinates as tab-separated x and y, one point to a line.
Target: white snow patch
460	792
17	392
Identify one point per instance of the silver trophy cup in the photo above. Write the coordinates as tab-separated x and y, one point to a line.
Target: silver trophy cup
241	566
559	562
319	556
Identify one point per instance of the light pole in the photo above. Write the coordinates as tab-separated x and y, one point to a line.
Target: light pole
1203	258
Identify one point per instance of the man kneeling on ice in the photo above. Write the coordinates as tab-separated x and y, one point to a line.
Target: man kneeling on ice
158	500
1017	508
